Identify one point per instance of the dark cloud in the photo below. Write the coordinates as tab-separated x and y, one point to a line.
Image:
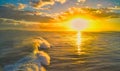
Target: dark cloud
10	23
14	24
10	13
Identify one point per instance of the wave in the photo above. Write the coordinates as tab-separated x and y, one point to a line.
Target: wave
35	61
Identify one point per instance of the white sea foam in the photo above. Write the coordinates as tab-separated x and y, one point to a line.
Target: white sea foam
43	57
43	43
34	61
39	43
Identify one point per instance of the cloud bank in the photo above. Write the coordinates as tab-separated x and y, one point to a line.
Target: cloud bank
7	12
38	14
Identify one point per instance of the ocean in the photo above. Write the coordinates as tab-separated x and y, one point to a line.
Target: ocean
96	51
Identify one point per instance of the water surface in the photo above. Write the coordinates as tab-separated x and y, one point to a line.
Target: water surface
98	51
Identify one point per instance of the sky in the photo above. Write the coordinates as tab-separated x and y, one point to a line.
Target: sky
51	15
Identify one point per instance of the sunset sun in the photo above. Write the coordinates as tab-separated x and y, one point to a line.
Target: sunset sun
79	24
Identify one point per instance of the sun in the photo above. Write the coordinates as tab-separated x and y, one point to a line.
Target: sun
79	24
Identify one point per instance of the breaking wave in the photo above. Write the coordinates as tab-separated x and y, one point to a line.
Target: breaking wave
36	60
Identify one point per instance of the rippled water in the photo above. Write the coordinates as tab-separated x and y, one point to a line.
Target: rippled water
98	51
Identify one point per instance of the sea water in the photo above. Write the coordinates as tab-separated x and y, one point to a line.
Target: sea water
98	51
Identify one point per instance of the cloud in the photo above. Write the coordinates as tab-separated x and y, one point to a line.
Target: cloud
115	8
85	12
37	4
12	6
24	20
6	21
61	1
81	1
37	13
6	12
21	6
99	5
14	24
27	25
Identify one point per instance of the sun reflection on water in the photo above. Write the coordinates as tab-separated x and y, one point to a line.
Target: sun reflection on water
79	42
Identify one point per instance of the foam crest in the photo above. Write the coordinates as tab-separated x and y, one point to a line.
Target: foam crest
35	61
43	44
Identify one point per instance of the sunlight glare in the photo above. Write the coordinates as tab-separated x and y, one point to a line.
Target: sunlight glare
79	24
79	42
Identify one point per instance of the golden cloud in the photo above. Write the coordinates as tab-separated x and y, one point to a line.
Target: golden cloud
61	1
40	3
84	12
21	6
81	1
